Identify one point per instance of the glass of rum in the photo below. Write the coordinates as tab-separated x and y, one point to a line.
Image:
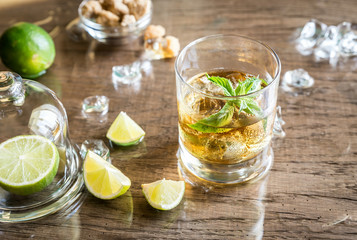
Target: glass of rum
227	88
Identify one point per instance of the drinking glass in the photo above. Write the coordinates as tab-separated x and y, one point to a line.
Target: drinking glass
240	149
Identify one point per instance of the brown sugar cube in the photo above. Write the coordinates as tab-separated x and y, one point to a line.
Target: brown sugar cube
141	8
128	1
91	8
106	4
127	20
119	8
172	46
137	7
107	18
154	31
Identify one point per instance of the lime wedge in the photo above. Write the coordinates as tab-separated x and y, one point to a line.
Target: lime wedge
102	179
28	163
124	131
164	194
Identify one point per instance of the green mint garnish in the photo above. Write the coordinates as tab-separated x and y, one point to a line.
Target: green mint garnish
224	116
224	83
221	118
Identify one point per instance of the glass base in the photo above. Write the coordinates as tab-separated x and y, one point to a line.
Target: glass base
62	194
254	168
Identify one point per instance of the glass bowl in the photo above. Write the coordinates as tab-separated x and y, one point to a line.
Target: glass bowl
116	35
29	108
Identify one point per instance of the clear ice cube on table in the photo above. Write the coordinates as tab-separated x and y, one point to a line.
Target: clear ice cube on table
295	81
97	146
332	43
348	44
95	106
309	35
47	121
343	28
327	44
127	74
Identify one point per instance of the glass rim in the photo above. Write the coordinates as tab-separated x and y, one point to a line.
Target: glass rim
199	40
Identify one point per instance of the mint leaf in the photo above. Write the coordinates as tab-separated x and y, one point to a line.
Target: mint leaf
224	83
215	122
252	107
263	81
208	129
221	118
248	105
249	85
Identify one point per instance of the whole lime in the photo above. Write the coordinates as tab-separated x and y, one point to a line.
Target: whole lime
27	49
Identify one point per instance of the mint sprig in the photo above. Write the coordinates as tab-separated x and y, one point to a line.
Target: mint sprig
224	116
221	118
224	83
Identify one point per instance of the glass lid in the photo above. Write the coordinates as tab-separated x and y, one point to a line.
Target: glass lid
40	169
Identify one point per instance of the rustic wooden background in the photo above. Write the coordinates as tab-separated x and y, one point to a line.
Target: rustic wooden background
311	191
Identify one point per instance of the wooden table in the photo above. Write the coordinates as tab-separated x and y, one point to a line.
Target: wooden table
311	190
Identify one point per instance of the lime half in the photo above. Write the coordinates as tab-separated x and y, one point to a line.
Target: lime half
124	131
164	194
28	163
102	179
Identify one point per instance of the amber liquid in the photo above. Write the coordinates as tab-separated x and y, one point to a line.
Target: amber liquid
243	139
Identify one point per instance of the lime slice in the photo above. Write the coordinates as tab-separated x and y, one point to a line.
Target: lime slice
124	131
102	179
28	164
164	194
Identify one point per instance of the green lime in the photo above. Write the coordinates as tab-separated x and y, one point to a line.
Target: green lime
27	49
164	194
28	163
125	131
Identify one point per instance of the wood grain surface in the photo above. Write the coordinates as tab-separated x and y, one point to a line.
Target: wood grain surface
311	190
